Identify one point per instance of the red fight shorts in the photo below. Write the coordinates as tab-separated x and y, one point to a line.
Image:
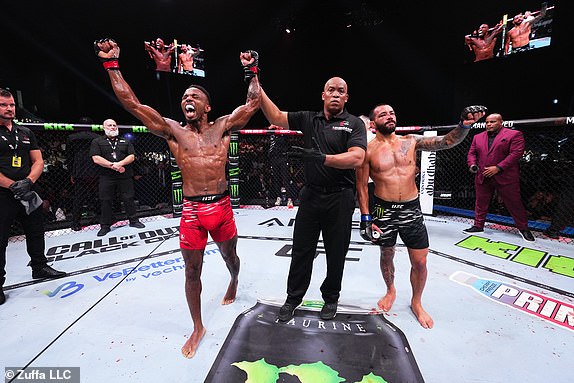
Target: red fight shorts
206	214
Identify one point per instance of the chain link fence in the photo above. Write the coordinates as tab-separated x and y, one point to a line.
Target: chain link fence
261	174
69	183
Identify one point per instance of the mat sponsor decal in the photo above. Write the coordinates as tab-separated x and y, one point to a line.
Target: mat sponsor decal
354	347
557	264
97	246
70	288
538	305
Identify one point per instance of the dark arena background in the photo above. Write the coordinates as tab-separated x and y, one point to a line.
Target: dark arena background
415	59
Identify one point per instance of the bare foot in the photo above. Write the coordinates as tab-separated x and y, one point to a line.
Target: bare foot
386	302
424	318
188	349
230	294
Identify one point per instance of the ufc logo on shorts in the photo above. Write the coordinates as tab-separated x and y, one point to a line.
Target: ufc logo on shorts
397	206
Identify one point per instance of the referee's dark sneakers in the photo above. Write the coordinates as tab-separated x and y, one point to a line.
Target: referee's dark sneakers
526	235
328	311
286	311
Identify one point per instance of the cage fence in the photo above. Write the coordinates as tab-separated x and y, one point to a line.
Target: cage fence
262	174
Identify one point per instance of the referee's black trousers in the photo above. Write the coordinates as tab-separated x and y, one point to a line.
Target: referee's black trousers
330	213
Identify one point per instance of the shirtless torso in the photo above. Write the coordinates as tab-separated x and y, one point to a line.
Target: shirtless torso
393	167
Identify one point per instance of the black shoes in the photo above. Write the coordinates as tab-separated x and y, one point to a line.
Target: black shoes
47	272
104	230
328	311
286	311
473	229
2	296
137	224
526	235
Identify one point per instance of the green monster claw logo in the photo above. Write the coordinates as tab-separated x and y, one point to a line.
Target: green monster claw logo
233	148
262	372
379	211
234	190
177	196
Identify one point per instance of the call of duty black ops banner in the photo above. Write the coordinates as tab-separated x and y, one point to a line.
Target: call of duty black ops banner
354	347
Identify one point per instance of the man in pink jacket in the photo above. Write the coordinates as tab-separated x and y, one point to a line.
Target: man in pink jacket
494	157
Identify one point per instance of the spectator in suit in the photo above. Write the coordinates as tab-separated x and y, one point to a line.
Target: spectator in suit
494	157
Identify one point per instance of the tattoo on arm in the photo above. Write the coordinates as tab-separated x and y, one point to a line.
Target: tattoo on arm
449	140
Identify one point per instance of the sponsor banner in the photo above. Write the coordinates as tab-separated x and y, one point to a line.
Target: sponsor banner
353	347
538	305
428	168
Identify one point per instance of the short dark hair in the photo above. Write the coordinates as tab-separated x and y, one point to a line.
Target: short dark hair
5	93
203	90
372	112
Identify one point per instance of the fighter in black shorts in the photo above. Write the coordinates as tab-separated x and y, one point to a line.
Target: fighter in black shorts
402	218
391	163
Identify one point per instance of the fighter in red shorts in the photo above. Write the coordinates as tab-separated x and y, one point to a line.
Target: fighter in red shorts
205	214
200	149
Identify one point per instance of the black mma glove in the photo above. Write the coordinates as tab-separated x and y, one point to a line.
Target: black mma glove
472	110
21	188
308	154
251	70
366	227
109	63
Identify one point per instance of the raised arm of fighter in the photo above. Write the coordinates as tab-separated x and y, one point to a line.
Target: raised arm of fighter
109	52
241	115
469	116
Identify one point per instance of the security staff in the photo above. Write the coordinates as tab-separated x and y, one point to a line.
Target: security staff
335	143
21	165
115	156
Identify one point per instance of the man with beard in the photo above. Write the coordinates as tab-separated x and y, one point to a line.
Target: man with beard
391	163
519	36
200	150
115	157
335	143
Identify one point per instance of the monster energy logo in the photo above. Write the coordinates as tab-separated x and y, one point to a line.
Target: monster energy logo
379	211
234	172
234	190
176	175
263	372
233	148
177	196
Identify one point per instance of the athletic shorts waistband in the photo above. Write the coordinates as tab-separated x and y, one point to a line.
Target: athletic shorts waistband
210	198
414	203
